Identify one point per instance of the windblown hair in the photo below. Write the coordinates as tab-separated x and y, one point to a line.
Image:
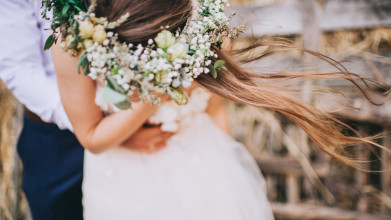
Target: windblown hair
238	84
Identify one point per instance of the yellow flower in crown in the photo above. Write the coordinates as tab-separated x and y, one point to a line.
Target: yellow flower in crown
86	29
100	34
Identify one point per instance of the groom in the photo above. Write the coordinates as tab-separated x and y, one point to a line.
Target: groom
51	155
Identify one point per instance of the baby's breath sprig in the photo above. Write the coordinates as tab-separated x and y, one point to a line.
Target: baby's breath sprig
167	63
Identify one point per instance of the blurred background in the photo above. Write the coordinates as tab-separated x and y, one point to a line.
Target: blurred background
303	182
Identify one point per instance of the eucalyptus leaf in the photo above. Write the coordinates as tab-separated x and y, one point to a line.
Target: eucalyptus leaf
86	67
112	83
221	69
120	100
124	105
65	10
83	63
75	2
49	42
213	71
77	8
219	63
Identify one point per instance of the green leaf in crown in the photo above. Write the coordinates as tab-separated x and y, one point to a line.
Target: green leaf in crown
63	15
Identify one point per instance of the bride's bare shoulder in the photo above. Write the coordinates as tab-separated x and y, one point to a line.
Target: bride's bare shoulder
65	64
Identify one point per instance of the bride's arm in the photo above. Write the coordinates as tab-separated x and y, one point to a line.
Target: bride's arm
95	132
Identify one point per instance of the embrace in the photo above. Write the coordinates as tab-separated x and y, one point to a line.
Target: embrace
139	88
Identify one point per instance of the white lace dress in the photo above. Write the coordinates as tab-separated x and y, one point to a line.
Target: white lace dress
202	174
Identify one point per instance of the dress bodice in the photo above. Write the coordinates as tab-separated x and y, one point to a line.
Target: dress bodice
169	114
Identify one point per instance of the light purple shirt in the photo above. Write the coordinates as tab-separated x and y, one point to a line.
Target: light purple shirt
25	67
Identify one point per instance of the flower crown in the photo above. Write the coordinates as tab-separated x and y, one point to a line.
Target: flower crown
169	61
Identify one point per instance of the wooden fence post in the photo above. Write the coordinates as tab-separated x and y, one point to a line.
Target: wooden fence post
386	166
363	154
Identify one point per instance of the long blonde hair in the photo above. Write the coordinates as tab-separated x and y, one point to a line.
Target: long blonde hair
325	130
237	84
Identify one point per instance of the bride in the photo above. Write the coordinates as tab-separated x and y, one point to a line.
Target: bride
202	173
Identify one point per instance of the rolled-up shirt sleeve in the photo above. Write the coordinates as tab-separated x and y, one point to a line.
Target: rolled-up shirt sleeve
25	68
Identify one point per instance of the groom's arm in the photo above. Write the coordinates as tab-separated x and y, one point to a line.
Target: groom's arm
25	68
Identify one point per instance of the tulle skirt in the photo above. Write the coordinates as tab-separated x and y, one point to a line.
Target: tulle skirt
202	174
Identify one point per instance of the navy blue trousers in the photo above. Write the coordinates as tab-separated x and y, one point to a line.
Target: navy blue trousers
52	171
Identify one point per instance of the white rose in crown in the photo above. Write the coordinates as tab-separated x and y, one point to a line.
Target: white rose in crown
100	34
165	39
178	50
86	29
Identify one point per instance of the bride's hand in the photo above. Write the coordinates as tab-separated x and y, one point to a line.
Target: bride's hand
134	97
148	140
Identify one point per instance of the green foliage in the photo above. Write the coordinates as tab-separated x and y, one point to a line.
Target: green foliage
114	85
114	94
219	64
49	42
213	71
216	68
64	12
120	100
83	62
